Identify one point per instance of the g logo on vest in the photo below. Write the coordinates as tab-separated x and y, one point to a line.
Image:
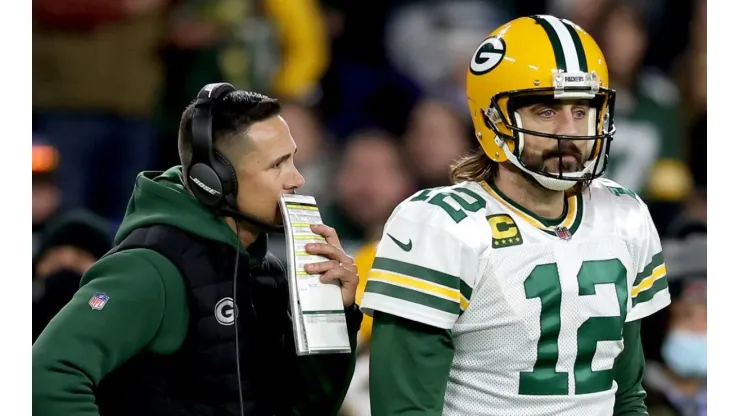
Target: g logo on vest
225	311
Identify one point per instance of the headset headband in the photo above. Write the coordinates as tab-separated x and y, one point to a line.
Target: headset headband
203	121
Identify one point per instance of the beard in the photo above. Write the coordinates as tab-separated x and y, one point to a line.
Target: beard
550	160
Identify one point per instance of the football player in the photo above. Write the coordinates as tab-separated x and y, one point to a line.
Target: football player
519	290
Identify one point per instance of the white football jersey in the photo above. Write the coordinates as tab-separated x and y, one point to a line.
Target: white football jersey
536	307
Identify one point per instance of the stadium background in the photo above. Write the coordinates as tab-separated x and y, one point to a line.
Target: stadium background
374	95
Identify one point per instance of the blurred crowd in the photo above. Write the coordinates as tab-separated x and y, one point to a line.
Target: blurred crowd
374	93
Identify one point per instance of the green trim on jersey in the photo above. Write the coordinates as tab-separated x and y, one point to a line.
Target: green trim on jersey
419	272
650	280
570	219
649	294
413	296
418	284
655	262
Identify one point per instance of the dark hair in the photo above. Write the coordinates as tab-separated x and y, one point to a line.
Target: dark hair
232	117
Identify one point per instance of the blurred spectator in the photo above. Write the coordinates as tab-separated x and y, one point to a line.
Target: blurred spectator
648	140
430	42
676	383
691	73
364	258
277	47
698	145
691	70
435	137
96	77
360	88
46	197
69	246
583	12
674	339
357	402
371	181
315	158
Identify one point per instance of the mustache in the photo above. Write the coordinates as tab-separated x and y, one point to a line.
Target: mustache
568	149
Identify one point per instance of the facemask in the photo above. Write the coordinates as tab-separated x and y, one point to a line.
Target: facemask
686	353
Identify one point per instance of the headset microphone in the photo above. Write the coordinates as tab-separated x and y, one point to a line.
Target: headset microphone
239	216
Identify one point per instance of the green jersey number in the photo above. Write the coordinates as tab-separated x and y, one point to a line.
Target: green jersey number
439	199
544	283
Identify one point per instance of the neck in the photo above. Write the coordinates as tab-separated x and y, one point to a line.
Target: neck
247	233
530	194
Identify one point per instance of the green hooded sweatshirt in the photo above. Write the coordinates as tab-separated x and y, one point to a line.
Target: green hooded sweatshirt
147	310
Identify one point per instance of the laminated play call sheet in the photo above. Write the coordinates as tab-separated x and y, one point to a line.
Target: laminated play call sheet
319	323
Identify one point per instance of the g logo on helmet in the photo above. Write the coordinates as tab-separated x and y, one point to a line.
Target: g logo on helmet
489	54
225	311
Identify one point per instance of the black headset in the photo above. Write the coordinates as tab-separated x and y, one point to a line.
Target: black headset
211	177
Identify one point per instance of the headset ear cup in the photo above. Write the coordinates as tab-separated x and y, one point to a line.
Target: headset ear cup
227	174
205	185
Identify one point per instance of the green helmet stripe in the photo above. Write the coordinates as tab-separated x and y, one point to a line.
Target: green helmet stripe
566	44
582	62
557	47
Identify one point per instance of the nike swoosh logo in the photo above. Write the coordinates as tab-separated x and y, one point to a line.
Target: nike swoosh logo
404	247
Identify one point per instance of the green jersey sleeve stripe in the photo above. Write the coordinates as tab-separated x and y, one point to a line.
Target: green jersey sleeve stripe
465	290
648	294
656	261
419	272
413	296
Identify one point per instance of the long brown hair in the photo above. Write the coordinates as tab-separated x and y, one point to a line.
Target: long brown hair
476	167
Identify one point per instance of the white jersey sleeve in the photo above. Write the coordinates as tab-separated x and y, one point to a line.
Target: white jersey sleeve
426	264
649	291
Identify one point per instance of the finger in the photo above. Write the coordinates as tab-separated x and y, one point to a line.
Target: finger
345	277
328	233
350	264
334	275
321	267
328	251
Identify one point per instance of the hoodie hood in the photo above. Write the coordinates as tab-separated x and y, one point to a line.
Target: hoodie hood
161	198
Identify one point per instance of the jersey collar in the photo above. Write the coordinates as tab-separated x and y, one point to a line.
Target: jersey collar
570	219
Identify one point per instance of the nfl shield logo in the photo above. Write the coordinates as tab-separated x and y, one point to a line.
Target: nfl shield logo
563	233
98	301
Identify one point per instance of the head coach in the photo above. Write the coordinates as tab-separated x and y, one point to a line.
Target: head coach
189	314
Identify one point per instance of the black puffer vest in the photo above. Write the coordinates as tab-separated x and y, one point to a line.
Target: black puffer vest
201	377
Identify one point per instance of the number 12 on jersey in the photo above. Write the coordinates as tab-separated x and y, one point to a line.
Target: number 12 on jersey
544	283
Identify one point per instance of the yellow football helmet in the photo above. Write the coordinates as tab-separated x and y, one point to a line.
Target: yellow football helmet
532	57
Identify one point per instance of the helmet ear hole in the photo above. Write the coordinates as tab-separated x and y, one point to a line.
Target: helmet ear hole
486	120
